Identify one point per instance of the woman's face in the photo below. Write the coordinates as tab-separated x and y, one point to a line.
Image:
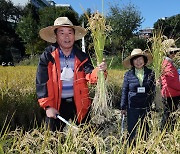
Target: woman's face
138	62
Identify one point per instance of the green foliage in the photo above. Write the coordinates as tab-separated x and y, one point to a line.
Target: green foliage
114	62
27	29
170	27
30	61
33	20
10	15
48	15
124	22
134	43
8	11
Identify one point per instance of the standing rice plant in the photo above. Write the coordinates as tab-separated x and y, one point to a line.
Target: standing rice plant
158	56
99	32
177	60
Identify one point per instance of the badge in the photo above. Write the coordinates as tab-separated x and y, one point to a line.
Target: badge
67	74
141	89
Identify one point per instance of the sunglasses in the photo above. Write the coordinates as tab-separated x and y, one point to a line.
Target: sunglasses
173	52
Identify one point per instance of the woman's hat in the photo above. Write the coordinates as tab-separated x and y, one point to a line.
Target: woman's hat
48	34
134	53
169	46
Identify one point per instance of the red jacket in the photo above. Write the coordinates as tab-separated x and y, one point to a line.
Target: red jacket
170	79
49	85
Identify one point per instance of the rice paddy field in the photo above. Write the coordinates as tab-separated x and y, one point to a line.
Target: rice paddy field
22	128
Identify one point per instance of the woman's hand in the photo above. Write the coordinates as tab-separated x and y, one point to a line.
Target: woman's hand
124	112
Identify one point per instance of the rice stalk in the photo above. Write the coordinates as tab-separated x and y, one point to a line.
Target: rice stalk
177	60
157	53
99	32
158	56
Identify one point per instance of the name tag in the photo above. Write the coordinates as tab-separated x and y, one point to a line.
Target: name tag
141	89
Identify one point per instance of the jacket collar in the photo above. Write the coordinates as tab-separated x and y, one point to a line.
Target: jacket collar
78	53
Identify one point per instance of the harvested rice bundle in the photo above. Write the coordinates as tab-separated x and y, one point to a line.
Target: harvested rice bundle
99	32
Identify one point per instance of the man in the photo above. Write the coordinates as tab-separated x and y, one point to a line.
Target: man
170	84
63	73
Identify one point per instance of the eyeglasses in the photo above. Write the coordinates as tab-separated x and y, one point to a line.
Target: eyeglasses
173	52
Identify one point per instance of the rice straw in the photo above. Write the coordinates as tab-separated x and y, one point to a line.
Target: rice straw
99	32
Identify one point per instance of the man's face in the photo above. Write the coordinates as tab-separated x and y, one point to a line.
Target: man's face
65	37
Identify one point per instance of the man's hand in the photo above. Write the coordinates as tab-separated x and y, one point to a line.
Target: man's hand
51	112
102	66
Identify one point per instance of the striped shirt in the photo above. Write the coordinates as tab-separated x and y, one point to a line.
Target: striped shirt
68	62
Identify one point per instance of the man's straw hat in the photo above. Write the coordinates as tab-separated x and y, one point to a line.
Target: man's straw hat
134	53
169	45
48	34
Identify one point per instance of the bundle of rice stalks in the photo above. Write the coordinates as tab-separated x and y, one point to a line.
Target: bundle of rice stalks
157	51
99	32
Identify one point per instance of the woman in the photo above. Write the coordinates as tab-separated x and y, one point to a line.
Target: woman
170	84
138	90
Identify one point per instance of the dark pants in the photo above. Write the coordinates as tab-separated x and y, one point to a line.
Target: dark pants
170	106
67	111
133	117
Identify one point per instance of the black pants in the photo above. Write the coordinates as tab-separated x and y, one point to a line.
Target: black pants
170	106
133	117
67	111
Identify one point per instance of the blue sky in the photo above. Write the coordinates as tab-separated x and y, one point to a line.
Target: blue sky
151	10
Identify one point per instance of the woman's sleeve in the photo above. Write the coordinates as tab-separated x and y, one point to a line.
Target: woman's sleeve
125	90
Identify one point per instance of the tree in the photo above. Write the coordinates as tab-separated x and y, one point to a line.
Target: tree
170	27
88	39
124	23
47	15
10	15
27	28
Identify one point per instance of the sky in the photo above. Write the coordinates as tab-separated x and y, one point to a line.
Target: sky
151	10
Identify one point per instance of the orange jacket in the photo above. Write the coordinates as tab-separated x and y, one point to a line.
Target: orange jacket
49	85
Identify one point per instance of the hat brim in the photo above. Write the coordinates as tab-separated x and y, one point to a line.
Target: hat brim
127	64
172	49
48	34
